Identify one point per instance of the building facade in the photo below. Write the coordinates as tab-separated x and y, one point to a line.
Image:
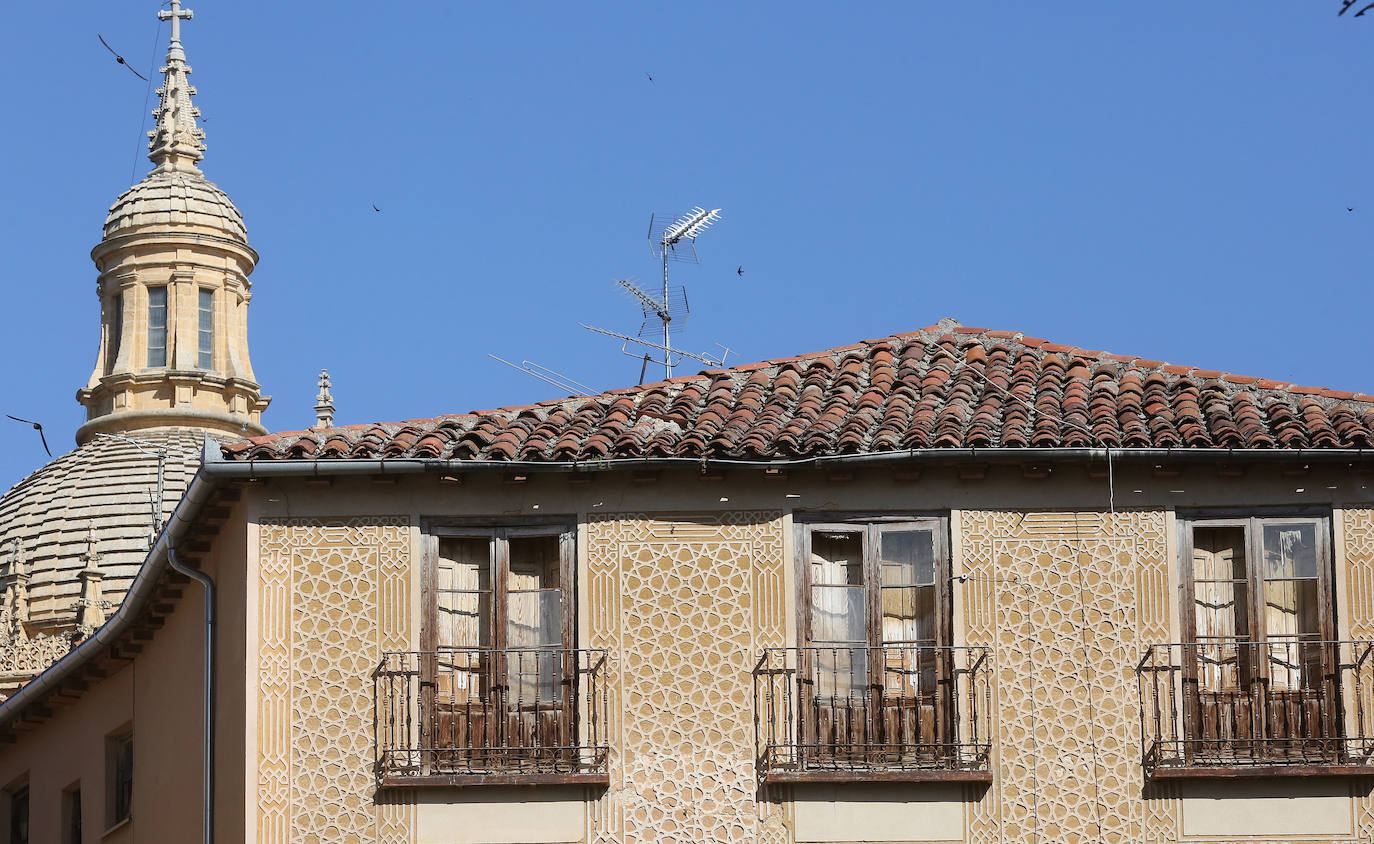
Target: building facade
954	585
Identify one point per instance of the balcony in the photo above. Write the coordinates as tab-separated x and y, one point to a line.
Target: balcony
892	713
1245	709
475	716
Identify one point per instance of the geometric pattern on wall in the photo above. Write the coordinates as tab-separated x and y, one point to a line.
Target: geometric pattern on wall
1357	526
684	604
1067	601
333	595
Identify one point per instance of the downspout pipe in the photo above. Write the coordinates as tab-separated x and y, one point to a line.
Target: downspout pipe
208	778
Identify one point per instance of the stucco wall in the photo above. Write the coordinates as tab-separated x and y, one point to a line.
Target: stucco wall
684	581
159	693
1066	592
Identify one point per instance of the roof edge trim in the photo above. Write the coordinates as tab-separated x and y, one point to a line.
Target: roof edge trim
219	466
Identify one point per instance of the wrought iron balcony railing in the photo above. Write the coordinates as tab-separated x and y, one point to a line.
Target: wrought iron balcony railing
472	716
895	712
1223	707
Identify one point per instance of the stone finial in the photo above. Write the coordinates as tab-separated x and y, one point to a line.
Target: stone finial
176	143
16	599
90	607
324	403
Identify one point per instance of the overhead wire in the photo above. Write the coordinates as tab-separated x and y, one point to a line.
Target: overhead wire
147	95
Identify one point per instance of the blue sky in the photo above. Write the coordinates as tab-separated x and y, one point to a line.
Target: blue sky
1166	179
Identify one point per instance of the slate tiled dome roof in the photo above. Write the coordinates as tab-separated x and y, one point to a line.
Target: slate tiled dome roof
105	483
945	386
174	197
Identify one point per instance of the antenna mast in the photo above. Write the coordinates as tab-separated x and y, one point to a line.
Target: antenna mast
670	239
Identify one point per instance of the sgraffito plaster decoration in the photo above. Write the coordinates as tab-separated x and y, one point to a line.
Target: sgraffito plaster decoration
1067	600
1357	529
685	603
334	594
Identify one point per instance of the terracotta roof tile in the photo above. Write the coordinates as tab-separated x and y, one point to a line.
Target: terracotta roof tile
944	386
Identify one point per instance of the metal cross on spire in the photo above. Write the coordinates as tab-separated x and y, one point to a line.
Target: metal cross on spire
176	142
176	14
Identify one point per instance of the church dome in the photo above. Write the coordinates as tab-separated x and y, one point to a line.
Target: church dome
175	198
105	491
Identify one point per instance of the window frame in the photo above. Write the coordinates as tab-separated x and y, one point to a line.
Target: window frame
72	820
1253	521
205	335
166	328
873	524
15	795
498	532
116	780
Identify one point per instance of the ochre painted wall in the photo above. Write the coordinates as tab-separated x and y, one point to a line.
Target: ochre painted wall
1067	598
159	693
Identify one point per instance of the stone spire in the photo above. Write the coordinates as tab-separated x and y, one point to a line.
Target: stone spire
324	403
90	607
174	264
16	607
176	143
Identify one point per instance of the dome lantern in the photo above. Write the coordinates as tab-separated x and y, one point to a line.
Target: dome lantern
174	264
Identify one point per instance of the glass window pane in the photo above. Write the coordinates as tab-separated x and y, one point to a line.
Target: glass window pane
908	557
908	614
463	593
534	563
533	675
1290	551
1219	583
839	672
1290	609
839	614
1218	665
837	558
534	619
157	326
909	670
205	333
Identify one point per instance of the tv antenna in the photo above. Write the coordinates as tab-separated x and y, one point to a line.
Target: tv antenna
548	376
670	239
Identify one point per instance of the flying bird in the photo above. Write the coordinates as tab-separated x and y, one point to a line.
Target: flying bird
120	59
375	208
739	271
1348	208
1345	6
36	427
651	78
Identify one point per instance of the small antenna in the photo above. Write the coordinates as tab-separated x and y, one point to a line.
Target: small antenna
549	376
670	239
709	360
155	498
671	313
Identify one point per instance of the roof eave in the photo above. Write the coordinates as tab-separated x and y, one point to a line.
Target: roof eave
303	467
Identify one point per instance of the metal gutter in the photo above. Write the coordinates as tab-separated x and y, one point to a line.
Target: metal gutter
217	466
